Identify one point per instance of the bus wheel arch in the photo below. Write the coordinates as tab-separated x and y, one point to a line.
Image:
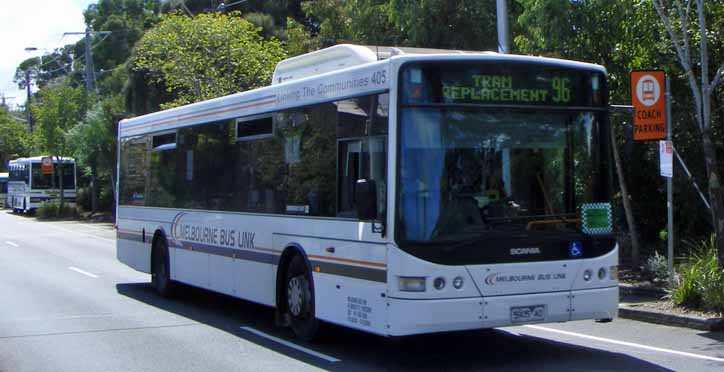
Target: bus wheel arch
295	305
160	265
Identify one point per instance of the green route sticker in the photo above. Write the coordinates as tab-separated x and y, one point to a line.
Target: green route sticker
596	218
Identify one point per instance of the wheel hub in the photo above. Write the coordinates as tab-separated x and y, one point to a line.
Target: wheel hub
296	297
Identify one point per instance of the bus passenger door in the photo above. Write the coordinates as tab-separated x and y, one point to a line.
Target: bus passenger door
360	158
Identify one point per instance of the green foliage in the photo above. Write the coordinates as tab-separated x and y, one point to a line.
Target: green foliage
701	280
127	20
14	137
57	109
298	40
92	139
466	25
207	56
469	25
51	209
83	198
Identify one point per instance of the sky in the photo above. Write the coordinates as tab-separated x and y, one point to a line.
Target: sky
34	23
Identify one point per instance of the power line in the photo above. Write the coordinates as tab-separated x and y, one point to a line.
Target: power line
4	97
89	72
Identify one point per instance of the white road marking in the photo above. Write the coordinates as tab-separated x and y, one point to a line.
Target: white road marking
83	272
11	243
292	345
624	343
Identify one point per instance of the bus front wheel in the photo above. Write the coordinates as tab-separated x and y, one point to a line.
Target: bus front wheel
300	299
160	272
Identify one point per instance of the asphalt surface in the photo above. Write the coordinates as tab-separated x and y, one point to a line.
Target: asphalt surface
67	304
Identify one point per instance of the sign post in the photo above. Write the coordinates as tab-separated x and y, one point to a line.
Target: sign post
652	121
669	193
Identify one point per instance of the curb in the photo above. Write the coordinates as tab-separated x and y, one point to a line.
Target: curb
695	322
627	311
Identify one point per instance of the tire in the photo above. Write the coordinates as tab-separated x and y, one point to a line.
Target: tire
299	299
160	269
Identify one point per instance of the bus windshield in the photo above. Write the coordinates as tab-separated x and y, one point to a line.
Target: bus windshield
44	182
470	173
491	178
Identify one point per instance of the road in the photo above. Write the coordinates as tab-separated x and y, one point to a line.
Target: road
67	304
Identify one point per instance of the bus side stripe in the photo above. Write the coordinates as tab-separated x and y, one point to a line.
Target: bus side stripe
374	275
330	268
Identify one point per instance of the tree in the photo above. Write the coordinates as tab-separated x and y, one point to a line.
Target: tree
14	139
299	41
447	24
58	108
92	141
681	28
207	56
127	20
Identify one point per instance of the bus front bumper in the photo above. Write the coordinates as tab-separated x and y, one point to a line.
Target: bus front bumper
407	317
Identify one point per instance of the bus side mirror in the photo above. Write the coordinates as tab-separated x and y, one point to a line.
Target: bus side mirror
365	195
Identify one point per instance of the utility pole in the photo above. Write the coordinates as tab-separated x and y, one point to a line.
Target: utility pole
90	78
27	101
503	29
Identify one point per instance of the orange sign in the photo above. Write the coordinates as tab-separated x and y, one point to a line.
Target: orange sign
649	102
46	166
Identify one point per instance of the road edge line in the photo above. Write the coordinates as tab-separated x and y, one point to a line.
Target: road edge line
291	345
626	343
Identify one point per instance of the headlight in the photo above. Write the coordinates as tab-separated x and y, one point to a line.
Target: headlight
411	283
613	272
458	282
587	274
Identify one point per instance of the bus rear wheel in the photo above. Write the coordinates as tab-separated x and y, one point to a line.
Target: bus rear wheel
160	269
300	300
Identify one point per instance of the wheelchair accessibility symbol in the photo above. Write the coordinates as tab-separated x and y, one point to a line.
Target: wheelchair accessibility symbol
575	249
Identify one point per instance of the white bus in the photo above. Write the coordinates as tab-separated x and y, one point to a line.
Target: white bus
3	189
28	187
392	191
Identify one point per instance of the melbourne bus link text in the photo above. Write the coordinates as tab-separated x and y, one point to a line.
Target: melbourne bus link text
217	236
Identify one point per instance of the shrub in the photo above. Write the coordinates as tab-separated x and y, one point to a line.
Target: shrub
83	198
51	209
656	267
105	199
701	281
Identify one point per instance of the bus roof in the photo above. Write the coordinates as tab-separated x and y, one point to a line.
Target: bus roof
37	159
334	73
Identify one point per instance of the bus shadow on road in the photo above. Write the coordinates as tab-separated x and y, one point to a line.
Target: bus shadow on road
494	349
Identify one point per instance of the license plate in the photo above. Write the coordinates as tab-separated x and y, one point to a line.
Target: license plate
524	314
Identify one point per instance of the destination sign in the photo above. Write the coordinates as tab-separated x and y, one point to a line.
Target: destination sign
500	84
